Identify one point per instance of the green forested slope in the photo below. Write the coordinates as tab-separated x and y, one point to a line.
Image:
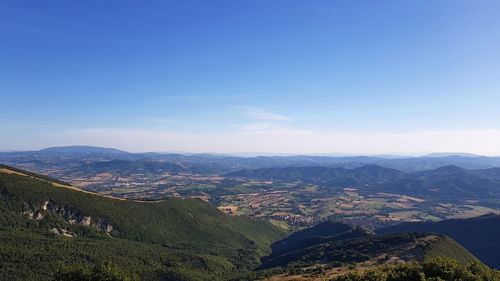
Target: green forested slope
153	239
329	248
480	235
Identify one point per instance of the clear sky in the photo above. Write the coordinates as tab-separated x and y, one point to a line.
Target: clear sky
291	76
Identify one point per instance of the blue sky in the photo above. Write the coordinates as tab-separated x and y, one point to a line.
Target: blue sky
355	77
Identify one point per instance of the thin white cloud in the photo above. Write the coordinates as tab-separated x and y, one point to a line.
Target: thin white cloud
257	126
263	115
157	120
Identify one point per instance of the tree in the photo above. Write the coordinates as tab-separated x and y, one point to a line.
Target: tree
99	272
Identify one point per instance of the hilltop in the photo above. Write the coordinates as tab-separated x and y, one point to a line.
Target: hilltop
80	150
480	235
331	248
341	243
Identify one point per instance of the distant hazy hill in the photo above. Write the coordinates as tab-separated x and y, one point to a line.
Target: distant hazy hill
219	163
80	150
126	167
45	225
451	154
413	164
492	173
370	174
448	182
480	235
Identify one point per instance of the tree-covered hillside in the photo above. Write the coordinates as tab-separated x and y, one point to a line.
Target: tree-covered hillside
329	249
50	230
342	250
45	225
480	235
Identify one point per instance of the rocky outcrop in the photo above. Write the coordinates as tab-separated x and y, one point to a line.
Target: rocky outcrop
32	213
68	213
62	232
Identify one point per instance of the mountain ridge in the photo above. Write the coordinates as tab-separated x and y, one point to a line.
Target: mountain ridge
479	235
227	162
446	181
39	211
81	149
331	247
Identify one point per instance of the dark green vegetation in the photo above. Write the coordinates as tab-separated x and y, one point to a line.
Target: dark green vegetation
340	244
44	226
438	269
49	230
480	235
329	249
318	234
98	272
188	239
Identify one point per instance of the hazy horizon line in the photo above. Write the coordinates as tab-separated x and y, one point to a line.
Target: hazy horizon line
269	154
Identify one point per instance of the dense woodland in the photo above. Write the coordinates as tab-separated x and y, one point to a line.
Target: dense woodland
175	237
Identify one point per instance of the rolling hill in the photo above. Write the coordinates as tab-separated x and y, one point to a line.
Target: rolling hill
78	150
339	243
331	249
447	182
124	167
480	235
217	163
45	225
361	176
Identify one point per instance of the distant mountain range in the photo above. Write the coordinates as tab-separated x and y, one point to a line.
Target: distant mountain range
327	175
81	150
219	163
124	167
434	176
448	182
